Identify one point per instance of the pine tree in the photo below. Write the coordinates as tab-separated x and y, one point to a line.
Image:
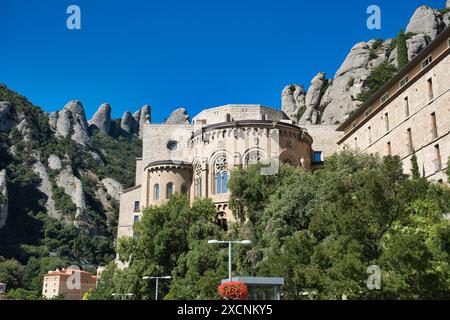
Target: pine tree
402	50
414	166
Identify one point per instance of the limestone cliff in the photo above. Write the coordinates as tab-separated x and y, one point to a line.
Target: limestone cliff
3	198
340	97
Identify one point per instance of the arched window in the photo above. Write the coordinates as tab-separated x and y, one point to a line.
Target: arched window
221	175
198	180
156	192
169	190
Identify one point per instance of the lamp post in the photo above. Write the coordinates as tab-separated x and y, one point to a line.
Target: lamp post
157	282
122	295
244	242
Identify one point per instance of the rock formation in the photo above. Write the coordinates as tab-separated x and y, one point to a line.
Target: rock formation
3	198
292	99
72	187
312	101
427	21
71	121
54	162
127	122
113	188
339	100
136	119
178	116
6	119
45	186
145	111
102	119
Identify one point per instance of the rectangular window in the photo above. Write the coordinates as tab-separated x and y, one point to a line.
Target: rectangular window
404	81
434	132
430	88
369	134
356	142
264	117
406	104
317	156
136	218
136	206
426	62
228	117
384	98
438	160
409	141
389	149
386	121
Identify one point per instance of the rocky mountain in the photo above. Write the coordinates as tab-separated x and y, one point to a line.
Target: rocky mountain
330	101
60	179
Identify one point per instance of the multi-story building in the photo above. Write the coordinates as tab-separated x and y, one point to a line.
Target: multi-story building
69	284
409	114
196	159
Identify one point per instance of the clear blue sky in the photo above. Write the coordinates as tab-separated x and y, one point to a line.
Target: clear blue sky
194	54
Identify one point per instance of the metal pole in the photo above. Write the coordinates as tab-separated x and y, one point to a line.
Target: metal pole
229	261
156	293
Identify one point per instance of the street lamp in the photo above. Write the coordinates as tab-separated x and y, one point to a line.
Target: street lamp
157	282
244	242
122	295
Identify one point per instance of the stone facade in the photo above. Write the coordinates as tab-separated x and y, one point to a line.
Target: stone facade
197	158
410	114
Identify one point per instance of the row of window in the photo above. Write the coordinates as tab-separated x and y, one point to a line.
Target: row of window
169	190
409	141
437	154
403	82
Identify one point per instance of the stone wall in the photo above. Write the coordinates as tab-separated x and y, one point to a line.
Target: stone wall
237	112
374	138
324	139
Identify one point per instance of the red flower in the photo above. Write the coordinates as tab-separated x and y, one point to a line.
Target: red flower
234	290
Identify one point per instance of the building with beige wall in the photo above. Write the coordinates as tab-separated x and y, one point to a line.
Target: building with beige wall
197	159
69	284
409	114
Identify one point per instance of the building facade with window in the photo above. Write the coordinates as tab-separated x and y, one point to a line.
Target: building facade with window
69	284
409	114
197	159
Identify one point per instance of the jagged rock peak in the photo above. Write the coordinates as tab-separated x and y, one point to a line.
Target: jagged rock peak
102	118
75	106
126	124
178	116
144	114
312	101
72	121
292	98
3	198
427	21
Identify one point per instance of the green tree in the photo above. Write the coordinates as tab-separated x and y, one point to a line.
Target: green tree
402	50
415	172
377	78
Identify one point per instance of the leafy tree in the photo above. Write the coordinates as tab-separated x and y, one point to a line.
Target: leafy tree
402	50
377	78
415	173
